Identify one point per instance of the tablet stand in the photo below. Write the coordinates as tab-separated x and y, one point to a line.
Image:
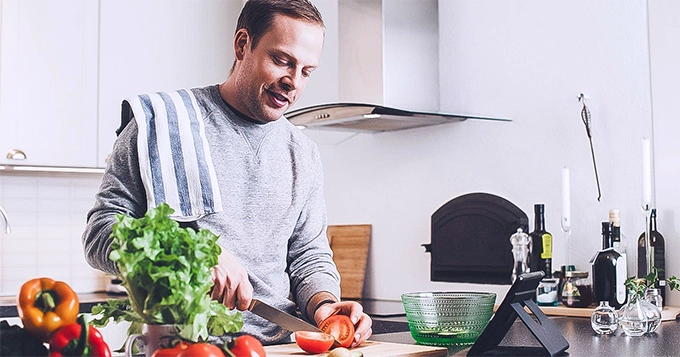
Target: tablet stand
518	297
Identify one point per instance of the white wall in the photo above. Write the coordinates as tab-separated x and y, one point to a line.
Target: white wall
527	60
664	31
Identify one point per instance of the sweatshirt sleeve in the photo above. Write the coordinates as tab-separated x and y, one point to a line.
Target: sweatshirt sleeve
121	191
311	265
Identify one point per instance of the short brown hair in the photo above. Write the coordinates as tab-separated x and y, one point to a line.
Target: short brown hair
257	15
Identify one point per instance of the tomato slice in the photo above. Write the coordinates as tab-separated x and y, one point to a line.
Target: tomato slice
341	327
314	342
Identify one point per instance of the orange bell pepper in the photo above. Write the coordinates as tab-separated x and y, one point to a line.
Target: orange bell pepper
45	305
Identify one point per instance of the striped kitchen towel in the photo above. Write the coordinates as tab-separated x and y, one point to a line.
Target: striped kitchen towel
174	157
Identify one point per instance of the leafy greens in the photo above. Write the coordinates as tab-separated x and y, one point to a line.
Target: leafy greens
166	270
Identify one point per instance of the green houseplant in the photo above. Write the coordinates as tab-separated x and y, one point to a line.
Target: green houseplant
638	286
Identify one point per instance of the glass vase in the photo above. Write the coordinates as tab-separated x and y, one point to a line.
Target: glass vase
633	316
604	319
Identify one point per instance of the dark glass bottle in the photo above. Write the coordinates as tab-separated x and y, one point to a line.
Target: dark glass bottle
619	242
541	244
658	253
609	272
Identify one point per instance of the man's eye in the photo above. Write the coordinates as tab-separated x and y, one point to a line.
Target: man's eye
279	61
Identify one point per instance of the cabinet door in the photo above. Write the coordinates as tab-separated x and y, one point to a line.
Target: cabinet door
48	82
153	45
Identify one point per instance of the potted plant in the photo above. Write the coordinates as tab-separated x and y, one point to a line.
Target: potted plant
166	271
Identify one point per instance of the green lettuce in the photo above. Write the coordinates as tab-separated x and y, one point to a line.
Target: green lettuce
166	270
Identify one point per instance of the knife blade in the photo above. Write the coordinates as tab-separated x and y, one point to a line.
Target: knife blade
281	318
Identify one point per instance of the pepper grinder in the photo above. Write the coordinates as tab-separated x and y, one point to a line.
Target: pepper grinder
520	251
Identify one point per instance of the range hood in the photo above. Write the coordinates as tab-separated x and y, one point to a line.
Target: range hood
388	70
362	117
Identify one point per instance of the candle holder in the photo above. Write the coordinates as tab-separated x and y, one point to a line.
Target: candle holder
648	242
566	229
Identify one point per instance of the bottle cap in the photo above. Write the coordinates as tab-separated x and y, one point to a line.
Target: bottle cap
615	217
539	208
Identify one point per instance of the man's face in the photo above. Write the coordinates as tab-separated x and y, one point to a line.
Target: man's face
272	76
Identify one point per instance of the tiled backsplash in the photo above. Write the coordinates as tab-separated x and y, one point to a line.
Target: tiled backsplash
47	215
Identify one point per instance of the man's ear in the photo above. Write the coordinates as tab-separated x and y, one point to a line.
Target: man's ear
241	42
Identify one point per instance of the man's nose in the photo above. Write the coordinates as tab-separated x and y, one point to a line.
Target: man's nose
291	81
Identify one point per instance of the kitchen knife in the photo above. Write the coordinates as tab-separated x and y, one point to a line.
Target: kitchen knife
281	318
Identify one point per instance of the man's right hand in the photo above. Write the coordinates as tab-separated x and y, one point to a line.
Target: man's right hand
232	286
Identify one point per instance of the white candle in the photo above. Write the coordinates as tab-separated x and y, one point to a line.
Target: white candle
646	174
566	200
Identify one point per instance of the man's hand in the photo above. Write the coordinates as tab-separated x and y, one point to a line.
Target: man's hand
362	322
232	286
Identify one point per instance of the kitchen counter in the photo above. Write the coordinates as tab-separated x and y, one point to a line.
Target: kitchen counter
8	304
583	341
374	308
390	326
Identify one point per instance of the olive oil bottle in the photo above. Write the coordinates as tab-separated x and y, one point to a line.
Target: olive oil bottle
541	243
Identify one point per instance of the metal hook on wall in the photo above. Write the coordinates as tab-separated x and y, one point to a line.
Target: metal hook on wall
586	118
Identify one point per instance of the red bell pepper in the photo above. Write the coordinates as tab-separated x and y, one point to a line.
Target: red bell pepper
79	339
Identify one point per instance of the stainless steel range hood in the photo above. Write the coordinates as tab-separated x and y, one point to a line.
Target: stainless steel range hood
388	70
361	117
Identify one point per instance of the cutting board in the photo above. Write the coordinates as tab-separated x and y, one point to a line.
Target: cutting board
368	348
350	251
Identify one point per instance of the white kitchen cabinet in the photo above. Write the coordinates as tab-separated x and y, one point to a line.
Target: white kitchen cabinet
159	45
48	82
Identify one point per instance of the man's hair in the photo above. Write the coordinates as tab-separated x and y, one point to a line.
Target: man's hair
257	15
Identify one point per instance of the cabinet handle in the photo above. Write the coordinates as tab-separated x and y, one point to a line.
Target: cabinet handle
16	154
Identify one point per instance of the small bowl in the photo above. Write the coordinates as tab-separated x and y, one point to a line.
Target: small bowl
448	318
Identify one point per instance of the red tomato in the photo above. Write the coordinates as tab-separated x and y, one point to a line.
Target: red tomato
314	342
171	351
201	349
341	327
247	346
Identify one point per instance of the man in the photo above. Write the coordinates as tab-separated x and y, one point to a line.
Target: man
273	224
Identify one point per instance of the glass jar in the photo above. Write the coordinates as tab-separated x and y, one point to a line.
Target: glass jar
546	292
577	290
653	296
604	319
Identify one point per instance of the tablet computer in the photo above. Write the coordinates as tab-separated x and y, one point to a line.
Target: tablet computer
519	296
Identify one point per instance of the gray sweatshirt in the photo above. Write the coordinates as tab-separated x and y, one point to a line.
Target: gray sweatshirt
274	217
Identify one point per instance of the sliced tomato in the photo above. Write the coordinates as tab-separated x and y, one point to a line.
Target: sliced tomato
341	327
314	342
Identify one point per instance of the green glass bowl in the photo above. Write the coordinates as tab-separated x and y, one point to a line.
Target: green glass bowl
447	318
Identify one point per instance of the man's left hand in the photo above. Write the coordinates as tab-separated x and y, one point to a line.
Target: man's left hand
362	322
